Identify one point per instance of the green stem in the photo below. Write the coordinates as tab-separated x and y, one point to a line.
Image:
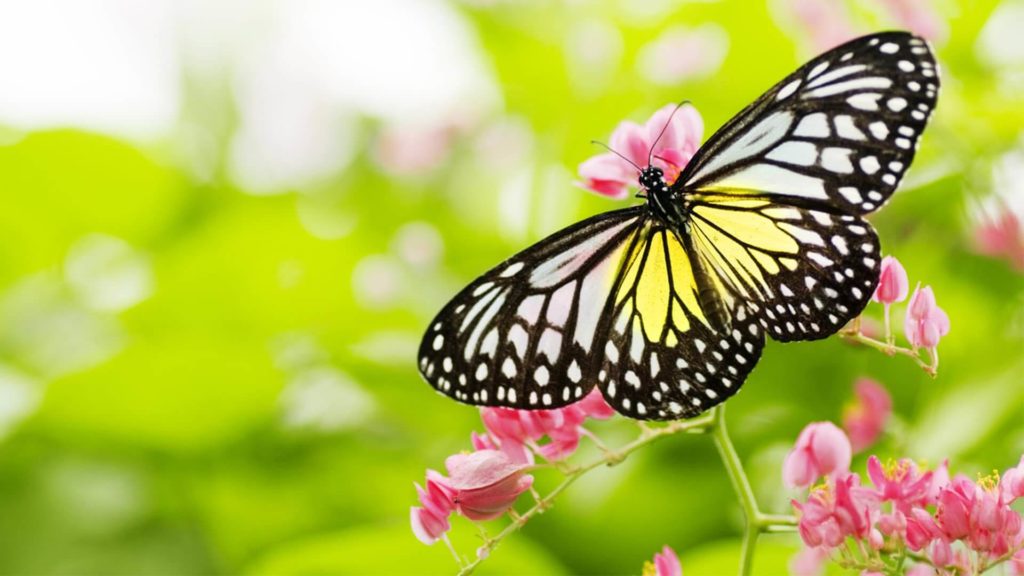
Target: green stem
740	483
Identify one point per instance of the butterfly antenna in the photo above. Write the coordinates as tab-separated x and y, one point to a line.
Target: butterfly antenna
663	128
609	148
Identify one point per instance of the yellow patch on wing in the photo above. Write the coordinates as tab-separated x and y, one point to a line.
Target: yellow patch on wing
685	283
653	291
753	228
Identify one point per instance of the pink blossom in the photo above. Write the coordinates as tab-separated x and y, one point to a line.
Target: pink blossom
666	563
1001	235
1012	482
865	420
899	483
430	521
921	529
921	570
513	429
485	483
918	16
427	526
609	175
925	322
821	449
409	151
835	511
892	282
1017	563
827	23
808	561
941	552
516	451
955	505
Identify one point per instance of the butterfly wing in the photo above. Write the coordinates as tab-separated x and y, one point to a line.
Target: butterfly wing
662	360
526	333
838	134
776	195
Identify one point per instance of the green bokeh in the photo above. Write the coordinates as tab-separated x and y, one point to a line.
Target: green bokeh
174	435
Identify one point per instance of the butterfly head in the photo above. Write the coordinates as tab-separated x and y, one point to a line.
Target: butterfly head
652	179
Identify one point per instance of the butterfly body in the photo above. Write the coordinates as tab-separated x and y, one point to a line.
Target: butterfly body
665	306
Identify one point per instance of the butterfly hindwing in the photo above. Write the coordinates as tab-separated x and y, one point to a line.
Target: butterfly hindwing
661	358
803	272
524	334
837	134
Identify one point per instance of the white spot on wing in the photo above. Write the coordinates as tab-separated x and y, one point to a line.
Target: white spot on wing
813	126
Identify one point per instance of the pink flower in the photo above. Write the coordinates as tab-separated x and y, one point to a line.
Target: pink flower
1001	235
513	429
1017	564
609	175
666	563
899	483
427	526
484	484
941	553
808	561
821	450
430	521
892	282
921	570
918	16
827	23
865	420
955	504
925	322
1012	482
921	529
835	511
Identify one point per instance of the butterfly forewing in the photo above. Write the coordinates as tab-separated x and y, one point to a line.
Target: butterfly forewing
525	334
838	134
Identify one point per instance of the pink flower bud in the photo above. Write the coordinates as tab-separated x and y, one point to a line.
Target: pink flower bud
1017	564
666	563
921	570
940	552
925	322
1012	482
427	526
892	282
595	406
808	562
921	529
865	420
1001	235
821	449
955	503
485	483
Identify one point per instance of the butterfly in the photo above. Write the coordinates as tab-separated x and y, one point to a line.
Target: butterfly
665	306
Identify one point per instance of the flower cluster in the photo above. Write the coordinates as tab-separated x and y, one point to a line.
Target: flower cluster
484	484
905	513
516	432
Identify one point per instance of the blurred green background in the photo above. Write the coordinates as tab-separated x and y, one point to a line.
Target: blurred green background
223	227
